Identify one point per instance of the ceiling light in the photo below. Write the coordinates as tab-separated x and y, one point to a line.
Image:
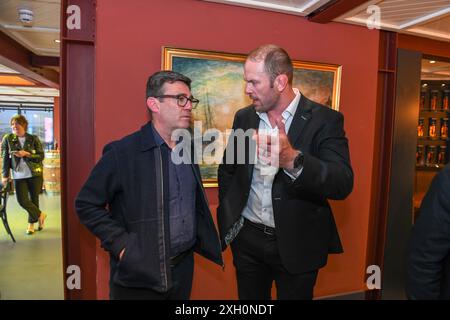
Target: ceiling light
57	40
432	61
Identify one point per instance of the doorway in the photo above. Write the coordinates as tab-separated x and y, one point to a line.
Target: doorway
32	266
432	126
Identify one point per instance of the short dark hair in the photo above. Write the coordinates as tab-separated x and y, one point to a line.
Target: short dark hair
276	61
20	119
157	80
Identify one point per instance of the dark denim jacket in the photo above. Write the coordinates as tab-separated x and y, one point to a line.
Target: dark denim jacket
124	203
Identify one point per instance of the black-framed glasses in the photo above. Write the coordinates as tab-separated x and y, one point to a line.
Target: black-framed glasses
182	100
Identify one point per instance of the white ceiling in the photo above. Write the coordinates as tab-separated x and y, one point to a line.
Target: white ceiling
298	7
40	38
28	94
425	18
25	93
435	71
4	69
15	99
29	91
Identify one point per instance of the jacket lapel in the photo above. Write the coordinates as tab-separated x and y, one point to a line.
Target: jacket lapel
252	124
28	142
14	143
147	137
301	118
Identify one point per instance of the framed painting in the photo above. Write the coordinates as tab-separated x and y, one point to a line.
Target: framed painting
217	81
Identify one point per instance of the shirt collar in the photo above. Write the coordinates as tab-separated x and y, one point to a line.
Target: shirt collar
291	108
159	141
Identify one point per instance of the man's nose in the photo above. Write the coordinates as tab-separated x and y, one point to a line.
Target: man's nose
248	88
188	105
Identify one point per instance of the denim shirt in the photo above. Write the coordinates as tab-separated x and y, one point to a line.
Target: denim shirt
182	195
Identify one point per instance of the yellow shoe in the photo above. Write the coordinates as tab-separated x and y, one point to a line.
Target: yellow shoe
42	218
30	229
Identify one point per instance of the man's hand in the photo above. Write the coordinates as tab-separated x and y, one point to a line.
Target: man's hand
286	152
276	151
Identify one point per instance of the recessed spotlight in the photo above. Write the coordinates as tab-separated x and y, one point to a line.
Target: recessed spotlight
57	40
432	61
425	85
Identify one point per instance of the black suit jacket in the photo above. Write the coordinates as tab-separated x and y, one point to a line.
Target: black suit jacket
305	228
428	271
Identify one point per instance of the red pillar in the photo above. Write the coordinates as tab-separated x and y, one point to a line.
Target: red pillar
56	123
77	141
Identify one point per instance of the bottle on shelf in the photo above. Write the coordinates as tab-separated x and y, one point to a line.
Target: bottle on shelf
431	156
444	128
442	155
420	160
432	128
434	100
445	99
422	99
421	128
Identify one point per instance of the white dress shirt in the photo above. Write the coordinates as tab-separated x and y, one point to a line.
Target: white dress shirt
259	205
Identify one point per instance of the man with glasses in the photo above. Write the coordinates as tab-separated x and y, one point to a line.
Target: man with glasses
150	213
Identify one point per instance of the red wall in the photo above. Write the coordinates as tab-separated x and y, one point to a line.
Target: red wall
426	46
130	35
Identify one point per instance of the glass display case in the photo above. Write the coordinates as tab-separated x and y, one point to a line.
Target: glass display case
432	136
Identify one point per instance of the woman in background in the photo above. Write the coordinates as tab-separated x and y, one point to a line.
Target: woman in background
23	154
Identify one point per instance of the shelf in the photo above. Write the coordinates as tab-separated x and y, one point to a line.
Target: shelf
386	70
429	168
437	113
429	139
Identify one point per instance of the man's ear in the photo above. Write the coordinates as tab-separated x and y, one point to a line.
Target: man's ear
153	104
281	81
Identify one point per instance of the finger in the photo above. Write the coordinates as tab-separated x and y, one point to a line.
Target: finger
255	134
264	159
265	139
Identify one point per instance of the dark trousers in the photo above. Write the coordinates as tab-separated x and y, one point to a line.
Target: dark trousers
182	275
258	264
27	194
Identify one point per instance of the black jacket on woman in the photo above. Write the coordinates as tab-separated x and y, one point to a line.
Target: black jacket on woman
32	145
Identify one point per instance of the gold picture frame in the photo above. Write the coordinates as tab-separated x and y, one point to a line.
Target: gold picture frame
217	81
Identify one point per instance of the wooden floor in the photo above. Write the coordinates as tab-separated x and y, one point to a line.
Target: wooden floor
32	267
